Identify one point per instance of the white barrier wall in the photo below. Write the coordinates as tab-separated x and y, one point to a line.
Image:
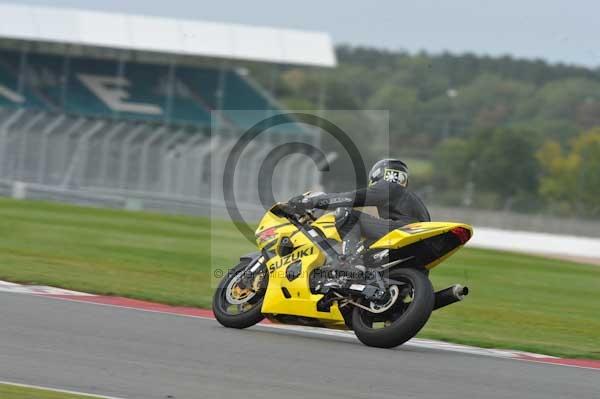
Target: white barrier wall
536	243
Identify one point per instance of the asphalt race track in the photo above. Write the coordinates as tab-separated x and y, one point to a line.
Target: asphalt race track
134	354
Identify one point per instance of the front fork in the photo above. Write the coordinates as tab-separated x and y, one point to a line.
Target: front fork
257	261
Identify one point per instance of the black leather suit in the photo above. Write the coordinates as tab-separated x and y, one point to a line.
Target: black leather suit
397	206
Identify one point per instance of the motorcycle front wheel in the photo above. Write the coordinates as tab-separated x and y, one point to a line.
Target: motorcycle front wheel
406	311
237	306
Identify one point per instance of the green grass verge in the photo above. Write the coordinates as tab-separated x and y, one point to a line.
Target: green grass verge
16	392
520	302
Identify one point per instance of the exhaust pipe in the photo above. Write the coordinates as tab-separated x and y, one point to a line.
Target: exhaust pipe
450	295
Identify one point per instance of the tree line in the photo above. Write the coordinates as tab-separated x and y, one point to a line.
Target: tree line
498	132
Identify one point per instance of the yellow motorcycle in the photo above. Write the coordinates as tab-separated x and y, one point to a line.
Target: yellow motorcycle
296	279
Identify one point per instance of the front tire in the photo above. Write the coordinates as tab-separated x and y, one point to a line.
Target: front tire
403	320
248	313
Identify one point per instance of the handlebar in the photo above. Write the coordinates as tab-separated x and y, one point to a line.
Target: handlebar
291	212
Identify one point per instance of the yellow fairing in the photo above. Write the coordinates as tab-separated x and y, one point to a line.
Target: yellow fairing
301	302
326	224
415	232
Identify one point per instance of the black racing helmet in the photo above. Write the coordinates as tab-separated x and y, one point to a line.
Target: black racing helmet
391	170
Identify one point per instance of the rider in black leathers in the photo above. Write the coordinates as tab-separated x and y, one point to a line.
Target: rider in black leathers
397	206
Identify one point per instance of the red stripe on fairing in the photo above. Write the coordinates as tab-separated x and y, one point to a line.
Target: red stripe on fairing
136	304
585	363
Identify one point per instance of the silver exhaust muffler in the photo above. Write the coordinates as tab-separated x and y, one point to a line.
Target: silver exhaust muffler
450	295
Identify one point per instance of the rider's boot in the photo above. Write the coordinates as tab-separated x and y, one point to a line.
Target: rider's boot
340	272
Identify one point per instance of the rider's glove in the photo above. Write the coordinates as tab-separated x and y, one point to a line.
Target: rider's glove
301	203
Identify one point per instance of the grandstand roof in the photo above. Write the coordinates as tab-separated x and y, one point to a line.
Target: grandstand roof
165	35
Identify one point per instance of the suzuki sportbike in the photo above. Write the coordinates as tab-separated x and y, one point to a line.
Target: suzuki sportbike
296	278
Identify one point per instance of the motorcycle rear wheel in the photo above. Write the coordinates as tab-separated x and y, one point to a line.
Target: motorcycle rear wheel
404	319
248	313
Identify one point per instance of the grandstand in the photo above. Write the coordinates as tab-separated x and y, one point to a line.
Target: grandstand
139	110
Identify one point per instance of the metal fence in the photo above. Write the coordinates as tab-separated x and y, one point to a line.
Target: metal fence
141	165
139	159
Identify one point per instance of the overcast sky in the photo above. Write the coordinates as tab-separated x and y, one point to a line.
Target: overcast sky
555	30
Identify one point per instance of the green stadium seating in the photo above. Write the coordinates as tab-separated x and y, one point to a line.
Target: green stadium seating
74	86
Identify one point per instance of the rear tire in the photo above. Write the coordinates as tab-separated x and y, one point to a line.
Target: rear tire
398	329
220	305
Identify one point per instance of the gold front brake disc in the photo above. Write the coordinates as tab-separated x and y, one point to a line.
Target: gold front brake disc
240	293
